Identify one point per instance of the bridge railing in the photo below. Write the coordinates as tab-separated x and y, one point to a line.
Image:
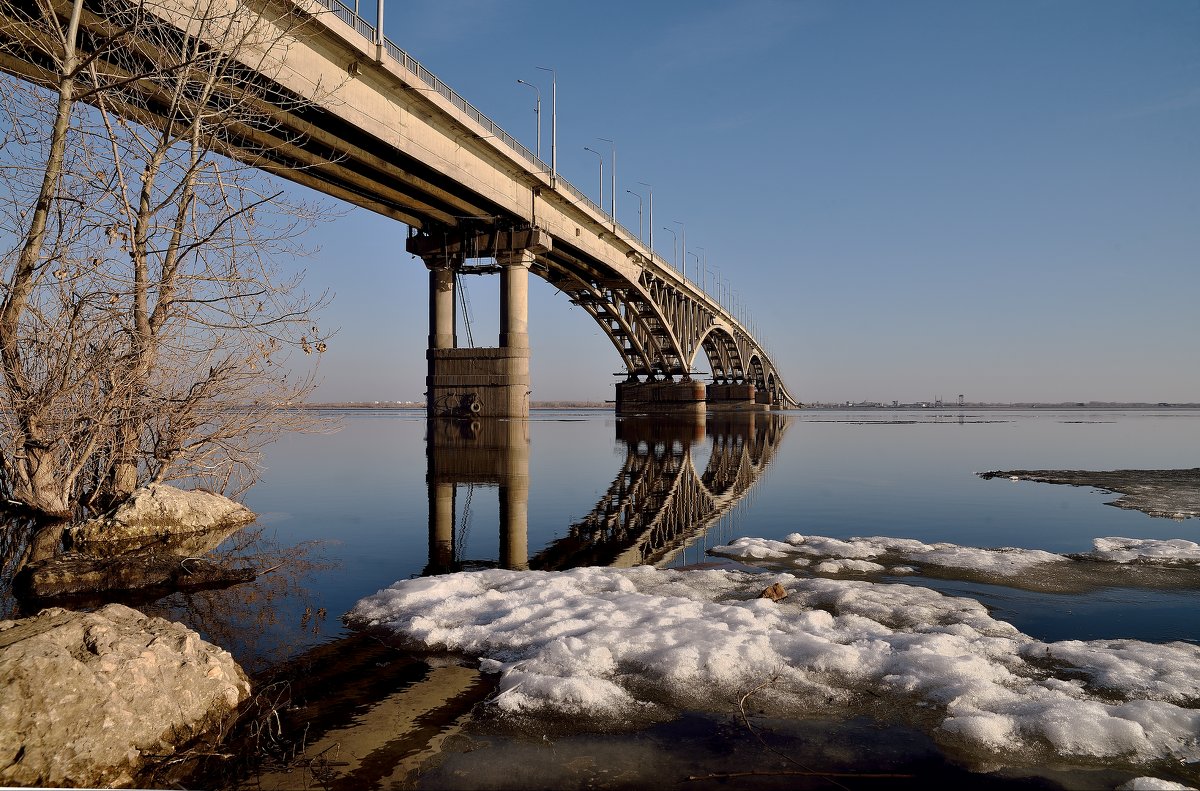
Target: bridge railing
368	31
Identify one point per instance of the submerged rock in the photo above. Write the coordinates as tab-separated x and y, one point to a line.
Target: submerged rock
88	699
159	514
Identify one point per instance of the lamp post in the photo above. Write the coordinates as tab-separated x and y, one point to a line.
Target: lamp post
693	255
650	190
600	157
702	265
639	197
612	174
682	244
553	124
537	109
674	245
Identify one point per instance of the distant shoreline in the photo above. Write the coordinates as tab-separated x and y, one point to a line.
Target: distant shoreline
840	407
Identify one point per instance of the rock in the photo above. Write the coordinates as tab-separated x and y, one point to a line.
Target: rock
77	573
774	593
159	515
87	699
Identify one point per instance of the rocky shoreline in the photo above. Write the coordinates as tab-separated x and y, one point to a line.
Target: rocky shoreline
98	698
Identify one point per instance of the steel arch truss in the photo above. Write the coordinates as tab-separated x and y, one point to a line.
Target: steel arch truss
659	326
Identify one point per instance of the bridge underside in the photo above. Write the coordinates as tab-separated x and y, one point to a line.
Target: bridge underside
657	328
390	138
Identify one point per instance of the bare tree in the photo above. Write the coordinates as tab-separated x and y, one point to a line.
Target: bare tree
145	319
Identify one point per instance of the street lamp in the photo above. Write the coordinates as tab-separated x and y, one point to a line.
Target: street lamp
600	157
612	171
701	265
693	255
537	109
553	124
682	244
674	245
650	190
639	197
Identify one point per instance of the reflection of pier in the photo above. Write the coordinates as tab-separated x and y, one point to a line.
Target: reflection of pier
485	452
660	502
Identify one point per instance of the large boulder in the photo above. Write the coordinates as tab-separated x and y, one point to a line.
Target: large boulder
86	699
161	516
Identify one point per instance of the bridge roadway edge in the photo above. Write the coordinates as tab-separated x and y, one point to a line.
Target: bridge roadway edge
414	154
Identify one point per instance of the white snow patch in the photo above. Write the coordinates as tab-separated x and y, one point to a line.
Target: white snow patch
611	642
1172	551
1153	784
835	555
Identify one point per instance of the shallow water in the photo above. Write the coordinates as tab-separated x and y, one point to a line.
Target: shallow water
389	497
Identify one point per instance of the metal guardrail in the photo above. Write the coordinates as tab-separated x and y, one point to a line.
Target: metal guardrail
360	25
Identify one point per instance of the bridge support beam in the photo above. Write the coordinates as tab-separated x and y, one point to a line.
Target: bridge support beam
686	397
736	398
479	382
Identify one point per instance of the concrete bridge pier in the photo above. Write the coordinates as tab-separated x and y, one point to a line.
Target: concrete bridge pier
736	397
661	397
489	381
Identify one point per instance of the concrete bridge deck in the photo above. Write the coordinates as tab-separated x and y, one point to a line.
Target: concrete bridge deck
354	116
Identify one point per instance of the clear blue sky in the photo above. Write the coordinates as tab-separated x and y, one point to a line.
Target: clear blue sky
916	199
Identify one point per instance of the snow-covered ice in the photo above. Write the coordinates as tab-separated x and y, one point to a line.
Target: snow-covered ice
1153	563
622	642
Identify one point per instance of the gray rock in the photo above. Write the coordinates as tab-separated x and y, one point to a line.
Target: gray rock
163	516
87	699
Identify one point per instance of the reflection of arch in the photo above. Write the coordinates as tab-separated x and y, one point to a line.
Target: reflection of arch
659	503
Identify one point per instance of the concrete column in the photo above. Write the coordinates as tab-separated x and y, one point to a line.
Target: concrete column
441	306
514	298
441	528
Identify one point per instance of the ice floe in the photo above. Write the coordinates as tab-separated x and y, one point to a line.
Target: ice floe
1152	563
618	643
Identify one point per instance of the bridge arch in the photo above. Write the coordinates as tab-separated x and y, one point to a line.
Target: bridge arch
724	356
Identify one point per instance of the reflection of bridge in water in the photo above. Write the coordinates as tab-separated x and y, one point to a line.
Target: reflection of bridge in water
658	504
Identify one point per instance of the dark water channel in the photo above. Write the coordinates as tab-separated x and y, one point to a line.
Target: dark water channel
389	497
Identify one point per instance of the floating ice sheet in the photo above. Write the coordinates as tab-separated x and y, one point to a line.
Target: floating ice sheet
1153	563
618	642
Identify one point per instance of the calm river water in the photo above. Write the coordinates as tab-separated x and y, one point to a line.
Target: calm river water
388	497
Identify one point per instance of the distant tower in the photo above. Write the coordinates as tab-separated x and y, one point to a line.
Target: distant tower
960	400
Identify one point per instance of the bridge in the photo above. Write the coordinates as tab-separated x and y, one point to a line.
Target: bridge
352	115
659	503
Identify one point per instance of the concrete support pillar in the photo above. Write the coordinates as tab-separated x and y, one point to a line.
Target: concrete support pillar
441	306
665	397
514	298
742	396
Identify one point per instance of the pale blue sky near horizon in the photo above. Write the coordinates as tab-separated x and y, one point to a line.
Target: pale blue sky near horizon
917	199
